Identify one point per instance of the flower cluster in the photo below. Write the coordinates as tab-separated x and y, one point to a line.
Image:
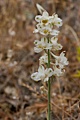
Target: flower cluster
47	26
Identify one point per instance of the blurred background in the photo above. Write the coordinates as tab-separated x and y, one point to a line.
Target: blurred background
20	97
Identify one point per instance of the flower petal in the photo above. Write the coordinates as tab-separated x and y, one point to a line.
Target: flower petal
45	14
50	72
35	31
38	18
46	79
54	32
35	76
41	69
37	50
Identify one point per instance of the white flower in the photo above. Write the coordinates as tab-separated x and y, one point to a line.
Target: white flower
35	31
60	60
56	46
46	23
45	30
54	32
44	18
43	59
57	71
41	45
42	74
57	21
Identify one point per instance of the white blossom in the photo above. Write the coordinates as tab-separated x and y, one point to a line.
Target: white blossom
61	60
54	32
43	59
46	23
57	71
45	30
41	45
47	26
57	21
45	19
35	31
56	46
42	74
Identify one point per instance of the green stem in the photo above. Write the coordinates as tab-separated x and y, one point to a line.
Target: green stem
49	86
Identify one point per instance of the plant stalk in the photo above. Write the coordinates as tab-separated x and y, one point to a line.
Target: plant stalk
49	86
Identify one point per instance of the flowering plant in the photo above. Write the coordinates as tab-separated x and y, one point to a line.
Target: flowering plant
47	26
